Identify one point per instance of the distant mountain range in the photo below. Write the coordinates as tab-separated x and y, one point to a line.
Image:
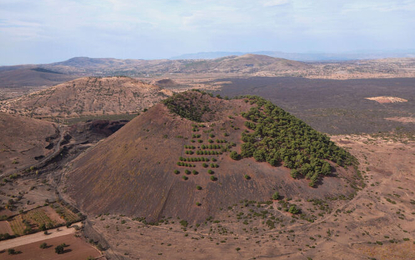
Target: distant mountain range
358	55
352	66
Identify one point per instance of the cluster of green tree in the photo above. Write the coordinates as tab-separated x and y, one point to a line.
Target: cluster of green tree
189	152
214	165
212	146
278	137
196	135
194	159
208	152
188	105
185	164
189	147
221	141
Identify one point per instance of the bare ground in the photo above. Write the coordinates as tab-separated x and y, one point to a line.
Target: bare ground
5	228
376	223
76	248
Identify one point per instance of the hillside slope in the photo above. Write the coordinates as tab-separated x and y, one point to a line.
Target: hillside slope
87	96
249	63
24	141
163	164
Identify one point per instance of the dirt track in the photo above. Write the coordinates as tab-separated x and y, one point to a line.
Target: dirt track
24	240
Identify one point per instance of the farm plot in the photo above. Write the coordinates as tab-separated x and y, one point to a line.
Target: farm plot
65	213
35	220
17	225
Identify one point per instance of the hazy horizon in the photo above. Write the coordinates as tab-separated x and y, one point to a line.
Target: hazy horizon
46	31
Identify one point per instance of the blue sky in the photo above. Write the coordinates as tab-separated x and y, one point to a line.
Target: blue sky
42	31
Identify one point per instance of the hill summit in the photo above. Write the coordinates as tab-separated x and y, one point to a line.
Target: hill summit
87	96
193	154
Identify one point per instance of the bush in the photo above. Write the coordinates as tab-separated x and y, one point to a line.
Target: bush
247	177
293	210
43	245
198	187
187	171
213	178
42	227
210	171
184	223
60	249
234	155
276	196
198	204
12	251
176	171
194	172
294	173
185	178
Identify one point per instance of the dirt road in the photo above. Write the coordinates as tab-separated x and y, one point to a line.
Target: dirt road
52	233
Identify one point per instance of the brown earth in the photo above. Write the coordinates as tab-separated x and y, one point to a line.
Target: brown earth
24	141
376	223
5	228
87	96
132	172
77	249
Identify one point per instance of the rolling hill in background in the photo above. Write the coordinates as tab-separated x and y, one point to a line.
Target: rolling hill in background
87	96
18	80
307	57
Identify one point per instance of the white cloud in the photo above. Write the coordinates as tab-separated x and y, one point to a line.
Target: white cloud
194	25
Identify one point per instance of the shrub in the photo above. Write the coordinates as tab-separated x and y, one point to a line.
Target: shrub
293	210
185	178
176	171
194	172
213	178
247	177
43	245
60	249
42	227
187	171
294	173
234	155
198	204
276	196
210	171
198	187
184	223
205	165
12	251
